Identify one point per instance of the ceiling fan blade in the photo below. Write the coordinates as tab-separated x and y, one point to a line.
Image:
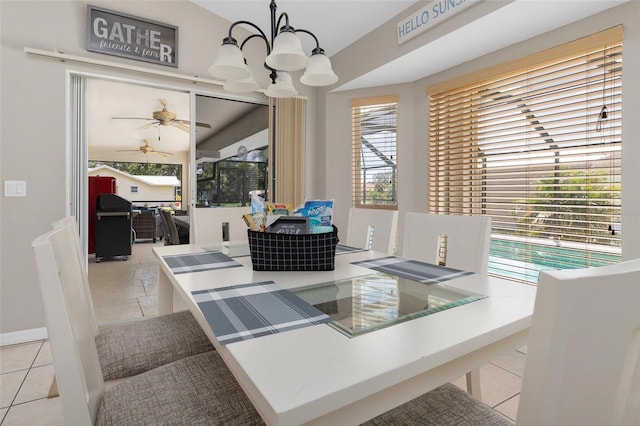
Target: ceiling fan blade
131	118
179	125
199	124
128	150
163	154
146	126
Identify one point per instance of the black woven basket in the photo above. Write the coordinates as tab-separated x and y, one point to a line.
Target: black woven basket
285	252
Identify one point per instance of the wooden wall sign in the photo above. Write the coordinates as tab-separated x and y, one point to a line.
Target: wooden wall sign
127	36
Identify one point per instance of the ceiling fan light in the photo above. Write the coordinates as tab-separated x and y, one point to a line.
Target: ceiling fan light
319	71
229	63
244	85
283	87
287	54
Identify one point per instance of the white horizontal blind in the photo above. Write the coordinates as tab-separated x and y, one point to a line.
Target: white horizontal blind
374	134
537	149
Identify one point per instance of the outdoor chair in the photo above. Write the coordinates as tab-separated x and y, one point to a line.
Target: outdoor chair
583	358
372	229
193	390
144	225
171	234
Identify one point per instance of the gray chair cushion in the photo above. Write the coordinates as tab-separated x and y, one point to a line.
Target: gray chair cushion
133	348
446	405
198	390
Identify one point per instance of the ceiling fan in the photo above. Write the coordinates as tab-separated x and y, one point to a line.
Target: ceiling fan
147	149
165	118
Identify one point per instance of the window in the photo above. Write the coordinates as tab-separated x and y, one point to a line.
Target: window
134	189
229	182
535	145
374	152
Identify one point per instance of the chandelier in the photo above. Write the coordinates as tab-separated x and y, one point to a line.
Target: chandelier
284	54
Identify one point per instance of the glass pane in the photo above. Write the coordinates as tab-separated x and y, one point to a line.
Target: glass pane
231	156
540	151
374	301
374	151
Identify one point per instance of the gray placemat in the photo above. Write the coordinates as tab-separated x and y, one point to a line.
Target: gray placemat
342	249
196	262
412	269
247	311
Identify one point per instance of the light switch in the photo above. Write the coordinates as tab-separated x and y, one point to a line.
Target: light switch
15	188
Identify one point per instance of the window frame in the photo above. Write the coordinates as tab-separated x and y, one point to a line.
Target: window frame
457	130
356	185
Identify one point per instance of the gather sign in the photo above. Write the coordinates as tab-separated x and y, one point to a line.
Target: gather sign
114	33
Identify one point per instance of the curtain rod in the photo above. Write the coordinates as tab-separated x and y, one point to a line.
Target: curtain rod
74	58
55	54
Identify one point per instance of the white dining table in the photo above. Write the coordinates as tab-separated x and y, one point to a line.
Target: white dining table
317	375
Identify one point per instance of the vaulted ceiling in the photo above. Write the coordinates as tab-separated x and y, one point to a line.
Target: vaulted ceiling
337	24
120	117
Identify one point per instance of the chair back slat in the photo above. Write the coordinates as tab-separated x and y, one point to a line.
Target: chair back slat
583	357
460	242
207	224
69	223
70	323
372	229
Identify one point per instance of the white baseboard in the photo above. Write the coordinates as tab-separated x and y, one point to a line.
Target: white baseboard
23	336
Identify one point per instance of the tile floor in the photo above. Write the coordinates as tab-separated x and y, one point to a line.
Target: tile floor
125	290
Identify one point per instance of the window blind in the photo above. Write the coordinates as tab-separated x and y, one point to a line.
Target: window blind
374	135
537	148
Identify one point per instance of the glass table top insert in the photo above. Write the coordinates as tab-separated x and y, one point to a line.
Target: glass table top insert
370	302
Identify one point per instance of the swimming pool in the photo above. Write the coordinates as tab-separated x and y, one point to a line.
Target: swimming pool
523	261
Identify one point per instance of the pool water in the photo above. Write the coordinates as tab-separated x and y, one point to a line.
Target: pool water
506	259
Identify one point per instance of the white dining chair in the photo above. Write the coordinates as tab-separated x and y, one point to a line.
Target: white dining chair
459	242
455	241
583	355
193	390
583	358
372	229
207	224
130	348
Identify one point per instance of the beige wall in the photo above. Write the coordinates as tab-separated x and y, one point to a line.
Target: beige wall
413	106
33	134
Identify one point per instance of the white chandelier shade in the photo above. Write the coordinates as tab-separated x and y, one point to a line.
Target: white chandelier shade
287	54
229	64
284	54
282	88
319	71
244	85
